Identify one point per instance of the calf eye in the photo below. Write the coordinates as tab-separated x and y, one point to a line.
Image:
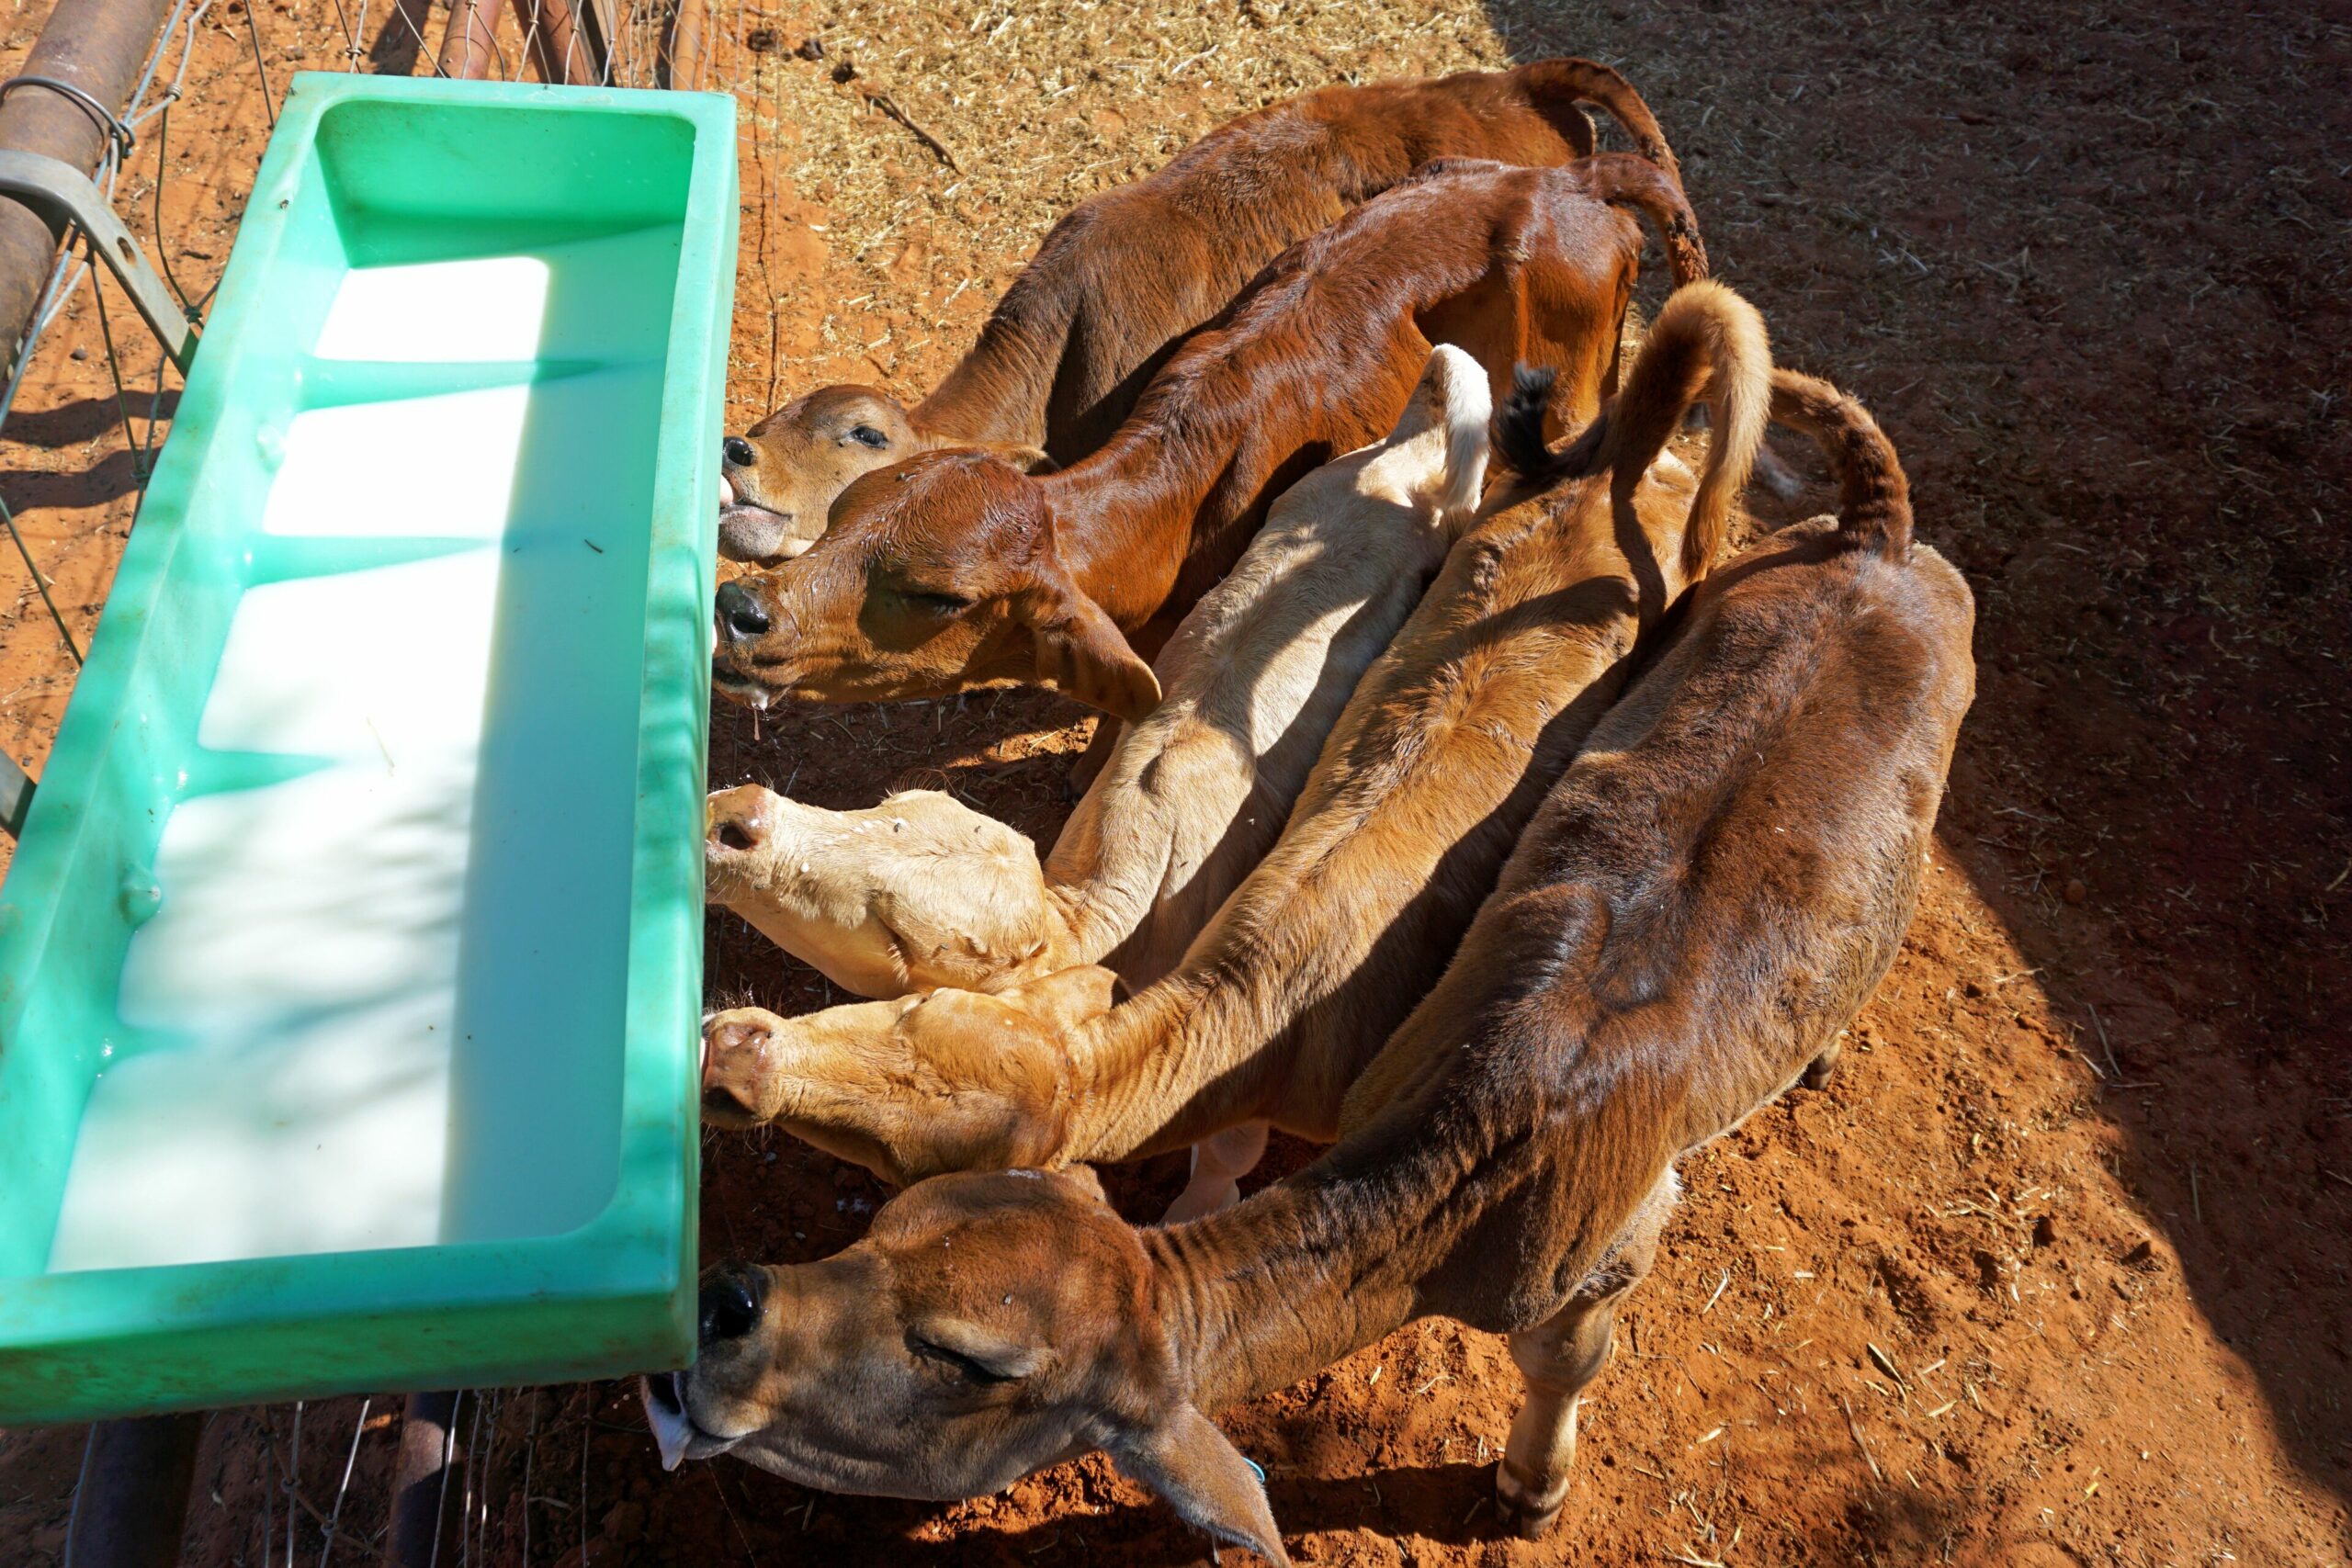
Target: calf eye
939	603
957	1361
867	436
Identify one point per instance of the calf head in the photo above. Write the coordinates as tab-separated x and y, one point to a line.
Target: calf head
919	891
936	576
987	1325
778	480
942	1080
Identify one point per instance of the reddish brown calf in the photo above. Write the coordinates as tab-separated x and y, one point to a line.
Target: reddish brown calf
956	570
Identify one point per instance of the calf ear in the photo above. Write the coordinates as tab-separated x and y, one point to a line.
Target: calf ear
1187	1461
1067	998
1020	454
1082	653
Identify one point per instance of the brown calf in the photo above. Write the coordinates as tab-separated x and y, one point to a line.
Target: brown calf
955	569
1702	905
1126	273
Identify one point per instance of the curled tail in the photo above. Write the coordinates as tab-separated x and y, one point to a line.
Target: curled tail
1570	82
1623	180
1874	498
1707	343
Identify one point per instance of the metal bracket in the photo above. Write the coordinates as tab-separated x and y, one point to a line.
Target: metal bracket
63	195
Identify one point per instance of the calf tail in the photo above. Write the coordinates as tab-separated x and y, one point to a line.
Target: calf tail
1874	498
1469	406
1518	434
1571	82
1451	402
1624	180
1707	343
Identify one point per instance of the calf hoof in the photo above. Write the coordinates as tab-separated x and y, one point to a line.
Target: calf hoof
1817	1071
1522	1513
1525	1520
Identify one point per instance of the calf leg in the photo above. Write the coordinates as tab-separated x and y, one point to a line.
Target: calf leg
1090	762
1557	1359
1219	1162
1817	1071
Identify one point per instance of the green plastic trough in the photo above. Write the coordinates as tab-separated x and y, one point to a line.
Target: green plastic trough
350	964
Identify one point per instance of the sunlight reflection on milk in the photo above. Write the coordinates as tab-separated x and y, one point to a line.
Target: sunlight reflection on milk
304	964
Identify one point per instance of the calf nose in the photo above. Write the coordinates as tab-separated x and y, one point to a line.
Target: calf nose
738	451
734	830
739	612
734	1053
730	1303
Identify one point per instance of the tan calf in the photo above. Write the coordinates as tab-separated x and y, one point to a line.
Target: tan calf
922	891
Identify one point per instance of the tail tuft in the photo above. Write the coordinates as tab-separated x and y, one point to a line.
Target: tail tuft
1519	425
1706	343
1623	180
1874	498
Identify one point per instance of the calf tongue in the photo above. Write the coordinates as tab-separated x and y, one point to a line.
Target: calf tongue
665	1412
726	490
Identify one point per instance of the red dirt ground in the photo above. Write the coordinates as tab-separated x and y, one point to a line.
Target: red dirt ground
2056	1273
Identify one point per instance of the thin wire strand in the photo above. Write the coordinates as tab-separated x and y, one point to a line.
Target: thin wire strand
293	1483
140	460
350	1460
40	582
253	30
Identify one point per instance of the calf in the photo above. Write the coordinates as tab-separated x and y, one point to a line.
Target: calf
1702	904
1126	273
955	569
1445	748
921	891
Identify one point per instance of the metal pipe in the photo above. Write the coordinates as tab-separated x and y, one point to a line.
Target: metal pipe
422	1510
560	48
130	1505
65	195
97	48
469	46
684	55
